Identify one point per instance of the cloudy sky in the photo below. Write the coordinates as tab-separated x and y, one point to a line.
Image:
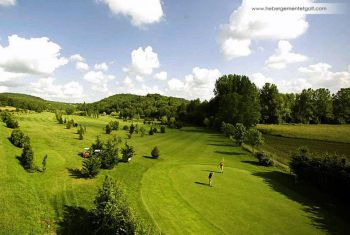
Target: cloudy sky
85	50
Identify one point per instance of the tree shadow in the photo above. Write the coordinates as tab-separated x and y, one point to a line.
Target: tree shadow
76	220
21	162
212	171
229	153
150	157
201	183
255	163
220	145
321	209
194	130
75	173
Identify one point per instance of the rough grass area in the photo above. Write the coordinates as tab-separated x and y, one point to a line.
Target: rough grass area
330	133
171	192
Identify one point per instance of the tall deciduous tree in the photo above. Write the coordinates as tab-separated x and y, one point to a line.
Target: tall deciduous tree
271	104
341	103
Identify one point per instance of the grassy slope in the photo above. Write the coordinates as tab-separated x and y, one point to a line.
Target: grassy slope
172	190
334	133
283	139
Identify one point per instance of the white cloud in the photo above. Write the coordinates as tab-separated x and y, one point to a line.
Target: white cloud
128	82
76	58
176	84
141	12
46	88
246	25
320	75
99	80
283	56
7	2
102	67
3	89
259	79
199	84
139	78
143	62
35	56
162	76
10	79
81	66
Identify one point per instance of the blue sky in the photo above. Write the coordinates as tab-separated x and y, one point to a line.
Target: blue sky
192	42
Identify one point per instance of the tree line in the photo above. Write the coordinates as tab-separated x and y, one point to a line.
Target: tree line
238	100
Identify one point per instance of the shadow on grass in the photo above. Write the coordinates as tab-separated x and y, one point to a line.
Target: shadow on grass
220	145
150	157
255	163
212	171
75	173
322	211
33	170
201	183
194	130
76	220
229	153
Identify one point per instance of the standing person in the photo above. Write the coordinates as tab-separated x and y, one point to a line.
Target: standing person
221	164
210	176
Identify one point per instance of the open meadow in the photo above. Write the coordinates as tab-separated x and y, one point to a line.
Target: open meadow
171	192
281	140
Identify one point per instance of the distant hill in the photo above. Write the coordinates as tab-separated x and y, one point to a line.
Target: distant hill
30	102
128	105
151	105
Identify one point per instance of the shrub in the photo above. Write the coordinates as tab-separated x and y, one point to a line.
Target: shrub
109	155
114	125
155	152
98	145
150	132
239	132
142	130
131	129
155	130
17	138
108	129
10	121
162	129
327	172
112	213
126	128
178	125
27	157
127	152
91	167
253	137
264	159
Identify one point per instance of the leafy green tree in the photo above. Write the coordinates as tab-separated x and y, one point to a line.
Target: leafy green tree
236	100
27	157
143	131
206	122
155	152
164	120
162	129
108	129
304	107
131	129
91	167
323	105
109	155
271	104
239	133
10	121
98	145
151	132
70	110
112	214
341	103
44	163
127	152
17	137
254	138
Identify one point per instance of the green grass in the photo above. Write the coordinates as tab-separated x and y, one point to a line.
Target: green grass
281	140
171	192
331	133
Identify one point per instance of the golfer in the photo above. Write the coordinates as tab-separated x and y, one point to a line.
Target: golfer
221	164
210	176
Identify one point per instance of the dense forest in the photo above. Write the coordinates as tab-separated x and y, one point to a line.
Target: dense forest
23	101
236	100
